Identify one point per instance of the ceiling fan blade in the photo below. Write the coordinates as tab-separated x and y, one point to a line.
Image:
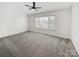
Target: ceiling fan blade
27	5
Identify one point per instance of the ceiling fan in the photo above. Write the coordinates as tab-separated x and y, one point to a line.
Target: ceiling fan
33	7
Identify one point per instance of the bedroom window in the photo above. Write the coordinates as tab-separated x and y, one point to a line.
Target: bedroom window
47	22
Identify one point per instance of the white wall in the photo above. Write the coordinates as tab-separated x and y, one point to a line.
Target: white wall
63	18
75	26
12	20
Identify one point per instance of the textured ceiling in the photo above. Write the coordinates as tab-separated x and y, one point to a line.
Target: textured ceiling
46	6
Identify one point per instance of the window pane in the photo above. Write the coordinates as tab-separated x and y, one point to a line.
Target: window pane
44	22
52	23
37	22
52	18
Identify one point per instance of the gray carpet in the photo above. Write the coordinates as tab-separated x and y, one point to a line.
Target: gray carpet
31	44
4	51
